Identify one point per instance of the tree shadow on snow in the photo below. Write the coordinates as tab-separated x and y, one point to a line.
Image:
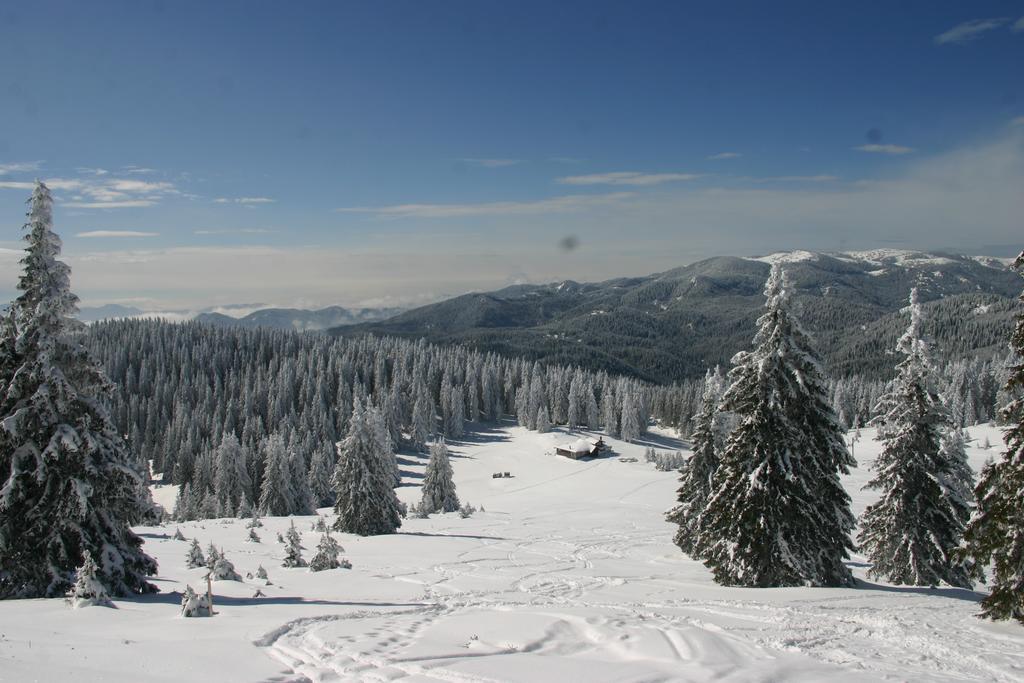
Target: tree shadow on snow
669	443
942	591
482	433
429	535
174	597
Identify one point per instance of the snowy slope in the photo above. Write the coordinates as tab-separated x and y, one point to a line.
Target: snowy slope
569	574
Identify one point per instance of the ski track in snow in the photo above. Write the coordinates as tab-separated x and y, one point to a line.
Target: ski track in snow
598	593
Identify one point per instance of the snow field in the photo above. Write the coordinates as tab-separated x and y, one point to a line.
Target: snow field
568	574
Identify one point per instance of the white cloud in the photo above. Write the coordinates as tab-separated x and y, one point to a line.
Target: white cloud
626	178
1018	25
725	155
491	163
969	31
19	167
822	178
124	204
92	171
243	200
116	233
236	231
884	149
565	203
101	192
1019	121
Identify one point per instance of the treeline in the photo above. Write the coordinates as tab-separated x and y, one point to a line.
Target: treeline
225	410
973	389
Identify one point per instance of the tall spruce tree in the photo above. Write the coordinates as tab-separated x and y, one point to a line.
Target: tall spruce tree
276	495
70	486
779	515
364	480
438	483
996	532
911	534
697	475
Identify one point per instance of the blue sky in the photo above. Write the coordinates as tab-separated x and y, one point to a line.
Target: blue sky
395	152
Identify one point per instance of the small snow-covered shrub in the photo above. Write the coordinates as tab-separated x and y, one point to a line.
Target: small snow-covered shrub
178	536
88	591
319	525
195	556
194	604
212	555
261	573
293	549
255	521
224	570
326	555
466	510
253	536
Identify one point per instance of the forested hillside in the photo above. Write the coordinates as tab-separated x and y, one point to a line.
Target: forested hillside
675	325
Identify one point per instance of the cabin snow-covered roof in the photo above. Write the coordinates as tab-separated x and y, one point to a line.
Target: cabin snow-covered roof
579	446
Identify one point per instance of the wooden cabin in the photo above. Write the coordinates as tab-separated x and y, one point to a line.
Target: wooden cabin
581	448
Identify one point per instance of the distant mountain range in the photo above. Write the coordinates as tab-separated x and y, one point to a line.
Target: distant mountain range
675	324
278	318
299	319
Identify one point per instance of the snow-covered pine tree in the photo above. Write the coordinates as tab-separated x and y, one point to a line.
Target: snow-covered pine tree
778	515
195	556
319	479
326	556
69	487
88	591
276	497
697	474
996	531
456	414
422	418
911	534
224	570
630	428
438	484
212	555
298	482
293	549
231	482
364	481
376	420
543	422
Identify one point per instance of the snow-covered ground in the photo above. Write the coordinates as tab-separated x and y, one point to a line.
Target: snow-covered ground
568	575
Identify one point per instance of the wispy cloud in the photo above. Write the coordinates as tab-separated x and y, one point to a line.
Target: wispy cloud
822	178
725	155
235	231
1018	25
970	30
85	170
626	178
876	148
116	233
490	163
138	169
22	167
124	204
97	191
565	203
565	160
243	200
1019	121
